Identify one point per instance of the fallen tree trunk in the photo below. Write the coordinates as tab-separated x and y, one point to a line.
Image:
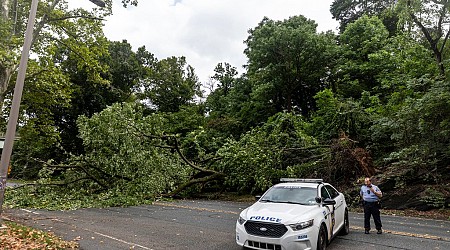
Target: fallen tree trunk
180	188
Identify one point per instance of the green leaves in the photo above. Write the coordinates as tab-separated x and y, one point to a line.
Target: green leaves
348	11
427	20
259	159
365	36
288	63
171	83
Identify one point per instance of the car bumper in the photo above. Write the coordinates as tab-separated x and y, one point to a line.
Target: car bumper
303	239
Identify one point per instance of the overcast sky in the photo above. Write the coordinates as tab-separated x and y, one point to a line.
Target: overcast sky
206	32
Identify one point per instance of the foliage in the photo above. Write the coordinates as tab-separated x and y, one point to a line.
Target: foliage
226	103
427	19
420	129
434	198
60	91
401	59
348	11
259	159
48	92
78	31
335	117
115	142
123	163
288	64
89	97
217	101
170	84
356	73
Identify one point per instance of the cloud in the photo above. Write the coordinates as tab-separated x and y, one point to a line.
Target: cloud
176	1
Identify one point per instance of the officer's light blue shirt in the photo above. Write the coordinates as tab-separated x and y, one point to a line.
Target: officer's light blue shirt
368	195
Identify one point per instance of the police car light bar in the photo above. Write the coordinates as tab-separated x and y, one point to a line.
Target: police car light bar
301	180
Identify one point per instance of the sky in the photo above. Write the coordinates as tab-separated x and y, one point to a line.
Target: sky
206	32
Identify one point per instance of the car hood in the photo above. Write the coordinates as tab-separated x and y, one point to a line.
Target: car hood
279	212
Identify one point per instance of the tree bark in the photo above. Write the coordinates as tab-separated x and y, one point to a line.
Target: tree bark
5	78
5	71
4	9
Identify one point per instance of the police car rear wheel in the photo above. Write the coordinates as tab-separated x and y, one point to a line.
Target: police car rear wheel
322	239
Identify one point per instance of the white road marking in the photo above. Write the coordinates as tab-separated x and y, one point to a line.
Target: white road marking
29	211
97	233
119	240
163	204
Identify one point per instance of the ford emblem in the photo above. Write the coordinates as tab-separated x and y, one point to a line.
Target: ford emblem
263	229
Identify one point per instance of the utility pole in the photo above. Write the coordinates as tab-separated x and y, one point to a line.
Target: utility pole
14	113
17	96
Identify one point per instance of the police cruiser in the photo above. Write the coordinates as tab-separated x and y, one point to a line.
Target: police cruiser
295	214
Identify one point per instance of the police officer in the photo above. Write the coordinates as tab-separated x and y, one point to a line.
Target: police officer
371	195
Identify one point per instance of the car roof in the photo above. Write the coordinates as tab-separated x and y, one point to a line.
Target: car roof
298	184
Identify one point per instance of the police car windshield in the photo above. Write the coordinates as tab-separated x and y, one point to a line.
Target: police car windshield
291	194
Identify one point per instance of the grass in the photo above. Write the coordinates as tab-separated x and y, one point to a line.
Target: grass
16	236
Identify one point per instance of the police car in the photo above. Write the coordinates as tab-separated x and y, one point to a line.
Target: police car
295	214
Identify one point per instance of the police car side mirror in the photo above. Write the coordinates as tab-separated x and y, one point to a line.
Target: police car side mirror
329	201
257	197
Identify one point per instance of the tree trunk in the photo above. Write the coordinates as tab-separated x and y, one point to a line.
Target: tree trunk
5	74
5	77
215	176
433	41
438	57
4	9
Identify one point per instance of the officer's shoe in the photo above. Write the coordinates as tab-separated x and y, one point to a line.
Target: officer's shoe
366	231
379	231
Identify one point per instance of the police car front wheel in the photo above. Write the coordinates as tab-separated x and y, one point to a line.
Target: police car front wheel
322	239
346	227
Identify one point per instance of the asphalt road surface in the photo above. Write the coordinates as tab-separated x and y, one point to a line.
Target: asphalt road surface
209	225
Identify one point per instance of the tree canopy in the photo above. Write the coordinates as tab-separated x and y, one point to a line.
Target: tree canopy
288	62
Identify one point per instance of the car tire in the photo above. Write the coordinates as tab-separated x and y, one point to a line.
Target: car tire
346	227
322	238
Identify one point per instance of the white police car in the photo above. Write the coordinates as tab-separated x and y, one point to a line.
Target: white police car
295	214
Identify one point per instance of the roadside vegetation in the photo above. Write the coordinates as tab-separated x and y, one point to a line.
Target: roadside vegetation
103	125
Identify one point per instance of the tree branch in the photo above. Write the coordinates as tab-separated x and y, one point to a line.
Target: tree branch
50	184
177	148
307	148
445	41
43	21
167	138
75	16
205	179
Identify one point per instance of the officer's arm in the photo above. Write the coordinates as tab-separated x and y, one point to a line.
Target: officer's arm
378	193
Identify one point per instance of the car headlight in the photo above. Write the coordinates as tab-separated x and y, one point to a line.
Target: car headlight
302	225
241	220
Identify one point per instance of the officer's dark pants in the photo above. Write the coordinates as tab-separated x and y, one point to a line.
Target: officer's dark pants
372	208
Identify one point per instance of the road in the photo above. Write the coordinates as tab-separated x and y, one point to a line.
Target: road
209	225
